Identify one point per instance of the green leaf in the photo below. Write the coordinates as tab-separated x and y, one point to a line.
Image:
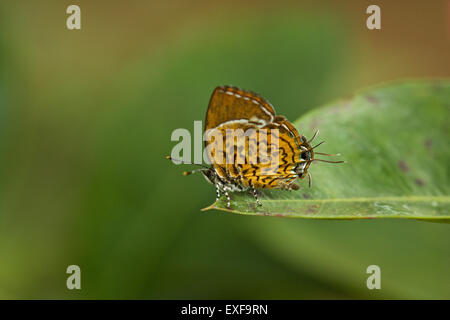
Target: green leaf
394	140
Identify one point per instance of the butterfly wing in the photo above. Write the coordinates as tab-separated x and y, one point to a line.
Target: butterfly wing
231	106
268	175
231	103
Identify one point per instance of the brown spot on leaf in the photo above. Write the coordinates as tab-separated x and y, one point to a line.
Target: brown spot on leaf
341	108
419	182
428	143
314	124
437	85
312	208
372	99
403	166
306	196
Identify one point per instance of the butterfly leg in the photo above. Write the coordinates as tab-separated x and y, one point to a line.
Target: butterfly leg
228	198
255	195
218	192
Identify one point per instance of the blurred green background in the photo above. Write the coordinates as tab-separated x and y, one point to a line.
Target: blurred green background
85	122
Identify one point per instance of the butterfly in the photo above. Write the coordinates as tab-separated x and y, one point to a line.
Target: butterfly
250	147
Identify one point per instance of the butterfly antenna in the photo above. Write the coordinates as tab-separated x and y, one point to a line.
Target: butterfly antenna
317	145
328	154
314	135
186	173
321	160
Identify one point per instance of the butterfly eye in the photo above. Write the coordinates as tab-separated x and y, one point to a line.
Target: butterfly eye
306	155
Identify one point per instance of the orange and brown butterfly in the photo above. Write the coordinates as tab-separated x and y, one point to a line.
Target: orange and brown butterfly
247	115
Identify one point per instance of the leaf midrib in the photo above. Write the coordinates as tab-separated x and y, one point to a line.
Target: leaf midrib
440	199
408	198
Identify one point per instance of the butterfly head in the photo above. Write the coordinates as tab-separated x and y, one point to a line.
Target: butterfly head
306	157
